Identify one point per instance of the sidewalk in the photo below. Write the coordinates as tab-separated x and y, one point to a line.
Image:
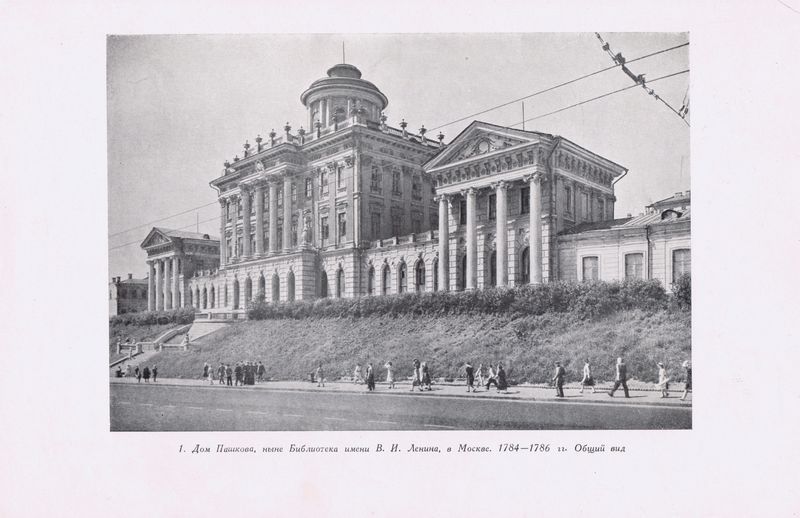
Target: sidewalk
520	392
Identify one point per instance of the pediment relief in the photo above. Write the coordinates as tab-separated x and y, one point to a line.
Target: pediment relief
482	145
482	139
155	238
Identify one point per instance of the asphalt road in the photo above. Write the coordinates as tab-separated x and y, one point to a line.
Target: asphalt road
137	407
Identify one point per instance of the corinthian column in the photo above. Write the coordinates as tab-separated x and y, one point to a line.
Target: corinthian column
501	240
259	219
472	241
287	213
247	252
158	286
535	250
151	286
223	219
273	217
444	243
176	283
167	287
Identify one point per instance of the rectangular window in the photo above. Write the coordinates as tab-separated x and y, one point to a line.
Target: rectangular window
280	196
340	178
252	243
323	228
601	209
681	263
568	199
525	200
416	225
492	207
342	224
308	188
416	189
294	231
462	212
396	177
252	204
376	225
279	241
294	193
634	266
228	212
266	201
585	205
590	272
375	181
397	225
266	240
323	184
239	208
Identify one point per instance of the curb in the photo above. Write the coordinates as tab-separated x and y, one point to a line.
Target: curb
408	393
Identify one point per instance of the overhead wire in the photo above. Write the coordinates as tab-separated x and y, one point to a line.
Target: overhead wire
162	219
181	228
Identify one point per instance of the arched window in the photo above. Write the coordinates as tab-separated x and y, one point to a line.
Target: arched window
525	269
212	296
402	278
198	300
191	298
236	294
248	291
463	274
262	286
419	276
205	297
493	268
435	268
323	284
385	275
340	283
371	280
276	288
290	286
225	295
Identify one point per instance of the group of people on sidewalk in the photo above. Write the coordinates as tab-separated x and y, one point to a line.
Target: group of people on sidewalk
242	373
138	373
495	376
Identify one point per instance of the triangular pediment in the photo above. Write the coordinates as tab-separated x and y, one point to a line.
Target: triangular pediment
478	139
156	237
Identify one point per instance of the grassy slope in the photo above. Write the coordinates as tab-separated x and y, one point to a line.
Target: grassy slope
135	333
527	346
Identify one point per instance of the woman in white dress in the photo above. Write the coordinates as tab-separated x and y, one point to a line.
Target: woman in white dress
588	380
389	375
479	376
357	375
663	380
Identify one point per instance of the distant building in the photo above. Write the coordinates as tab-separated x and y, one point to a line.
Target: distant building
352	207
127	295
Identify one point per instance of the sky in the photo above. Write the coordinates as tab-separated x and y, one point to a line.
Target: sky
180	105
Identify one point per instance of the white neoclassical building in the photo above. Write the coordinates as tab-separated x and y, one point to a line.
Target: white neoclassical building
353	207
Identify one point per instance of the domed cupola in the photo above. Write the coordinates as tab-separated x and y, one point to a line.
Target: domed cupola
341	95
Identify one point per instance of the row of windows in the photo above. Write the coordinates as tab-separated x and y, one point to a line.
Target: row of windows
584	204
634	265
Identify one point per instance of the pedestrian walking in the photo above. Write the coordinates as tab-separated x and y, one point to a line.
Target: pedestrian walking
205	370
502	383
138	375
470	377
588	380
146	374
389	374
155	373
357	379
128	370
118	372
687	387
261	372
221	373
228	374
320	376
491	378
479	380
426	376
663	380
416	380
621	378
558	380
237	374
370	378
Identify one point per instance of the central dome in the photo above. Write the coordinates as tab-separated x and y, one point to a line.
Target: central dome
341	94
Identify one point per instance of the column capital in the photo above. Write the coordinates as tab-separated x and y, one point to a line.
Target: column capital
442	197
245	188
469	191
536	177
500	185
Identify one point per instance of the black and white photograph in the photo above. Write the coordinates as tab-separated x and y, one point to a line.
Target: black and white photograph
524	262
399	259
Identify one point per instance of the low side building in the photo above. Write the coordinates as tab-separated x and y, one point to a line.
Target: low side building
127	295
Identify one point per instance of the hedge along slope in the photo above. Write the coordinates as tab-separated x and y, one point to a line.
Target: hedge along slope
526	346
587	299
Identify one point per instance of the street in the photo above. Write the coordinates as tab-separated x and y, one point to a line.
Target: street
140	407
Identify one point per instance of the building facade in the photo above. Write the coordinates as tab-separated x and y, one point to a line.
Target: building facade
353	207
126	295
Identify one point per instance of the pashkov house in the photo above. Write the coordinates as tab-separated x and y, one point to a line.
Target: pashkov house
352	207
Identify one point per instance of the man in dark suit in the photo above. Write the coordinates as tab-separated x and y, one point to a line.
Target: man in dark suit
621	378
558	379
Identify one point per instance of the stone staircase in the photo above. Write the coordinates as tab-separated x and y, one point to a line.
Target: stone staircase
203	328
